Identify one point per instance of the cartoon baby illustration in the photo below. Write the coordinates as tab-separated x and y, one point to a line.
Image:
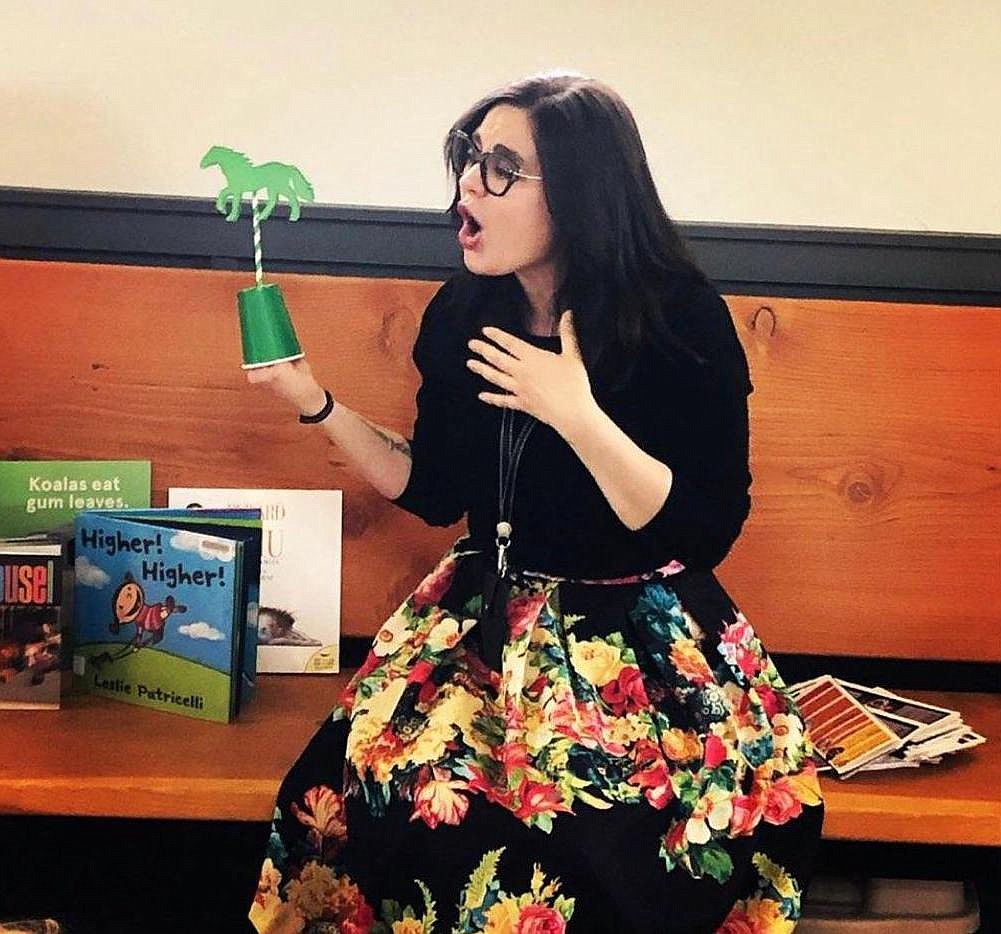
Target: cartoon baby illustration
130	606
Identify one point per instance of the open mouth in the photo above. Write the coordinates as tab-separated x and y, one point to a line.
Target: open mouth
469	233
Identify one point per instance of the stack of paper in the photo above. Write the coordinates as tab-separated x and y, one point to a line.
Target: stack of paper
857	728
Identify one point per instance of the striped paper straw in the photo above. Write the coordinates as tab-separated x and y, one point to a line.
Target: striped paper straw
258	269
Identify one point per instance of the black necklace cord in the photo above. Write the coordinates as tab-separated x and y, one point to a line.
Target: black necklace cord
510	451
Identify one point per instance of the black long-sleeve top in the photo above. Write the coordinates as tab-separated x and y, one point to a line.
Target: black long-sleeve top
690	415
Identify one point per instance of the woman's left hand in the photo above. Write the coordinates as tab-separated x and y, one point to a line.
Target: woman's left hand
554	387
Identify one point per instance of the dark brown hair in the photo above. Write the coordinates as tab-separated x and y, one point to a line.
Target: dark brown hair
624	256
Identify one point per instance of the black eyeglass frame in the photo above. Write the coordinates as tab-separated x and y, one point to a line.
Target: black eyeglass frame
477	156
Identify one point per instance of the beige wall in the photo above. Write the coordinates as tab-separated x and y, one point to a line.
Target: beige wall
844	113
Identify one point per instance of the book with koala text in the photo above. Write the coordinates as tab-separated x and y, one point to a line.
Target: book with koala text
165	608
299	623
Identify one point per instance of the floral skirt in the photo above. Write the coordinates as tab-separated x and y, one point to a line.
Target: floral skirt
636	765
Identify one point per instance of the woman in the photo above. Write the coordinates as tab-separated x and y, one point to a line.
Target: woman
568	724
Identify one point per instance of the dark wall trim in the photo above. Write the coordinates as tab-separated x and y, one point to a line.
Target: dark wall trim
415	243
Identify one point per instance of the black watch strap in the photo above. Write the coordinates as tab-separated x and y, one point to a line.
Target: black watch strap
328	407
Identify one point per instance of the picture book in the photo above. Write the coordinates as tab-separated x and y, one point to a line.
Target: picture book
41	496
31	592
844	731
166	608
299	620
856	728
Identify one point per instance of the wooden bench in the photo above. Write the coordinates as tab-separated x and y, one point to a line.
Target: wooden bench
99	759
875	529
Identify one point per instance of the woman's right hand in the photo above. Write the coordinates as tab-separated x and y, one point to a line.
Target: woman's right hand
292	381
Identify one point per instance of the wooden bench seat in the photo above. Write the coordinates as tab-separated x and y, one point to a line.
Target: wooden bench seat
100	758
876	527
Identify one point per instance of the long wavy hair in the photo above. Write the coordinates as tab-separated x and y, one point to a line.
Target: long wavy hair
623	255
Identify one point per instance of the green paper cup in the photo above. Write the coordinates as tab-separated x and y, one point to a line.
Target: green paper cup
266	328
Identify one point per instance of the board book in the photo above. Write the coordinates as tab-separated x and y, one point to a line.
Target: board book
166	608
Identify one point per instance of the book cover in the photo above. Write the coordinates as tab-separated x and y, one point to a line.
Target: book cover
166	608
299	621
925	732
844	731
31	572
40	496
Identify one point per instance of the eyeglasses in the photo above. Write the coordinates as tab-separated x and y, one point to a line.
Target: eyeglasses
498	171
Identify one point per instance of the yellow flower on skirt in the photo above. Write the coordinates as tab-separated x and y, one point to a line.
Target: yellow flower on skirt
538	731
408	926
394	632
681	745
428	747
688	659
766	915
382	704
447	633
455	705
502	918
596	660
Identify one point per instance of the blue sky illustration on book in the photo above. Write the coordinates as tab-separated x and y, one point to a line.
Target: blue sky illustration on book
181	589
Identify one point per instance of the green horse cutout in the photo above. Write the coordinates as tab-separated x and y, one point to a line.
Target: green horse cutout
245	178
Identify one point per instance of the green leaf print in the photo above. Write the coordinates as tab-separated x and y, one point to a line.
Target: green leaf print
479	881
391	910
564	906
542	821
686	789
713	860
473	605
430	917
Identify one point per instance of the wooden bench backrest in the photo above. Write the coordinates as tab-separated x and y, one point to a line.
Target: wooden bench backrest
875	438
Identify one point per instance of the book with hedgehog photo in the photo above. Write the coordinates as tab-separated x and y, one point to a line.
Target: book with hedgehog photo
165	609
299	622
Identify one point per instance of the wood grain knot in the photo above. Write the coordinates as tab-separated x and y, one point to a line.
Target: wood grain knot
397	331
859	491
864	484
359	513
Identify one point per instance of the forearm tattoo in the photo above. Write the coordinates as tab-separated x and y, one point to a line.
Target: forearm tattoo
394	444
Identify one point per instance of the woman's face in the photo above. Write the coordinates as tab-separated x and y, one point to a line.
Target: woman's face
515	231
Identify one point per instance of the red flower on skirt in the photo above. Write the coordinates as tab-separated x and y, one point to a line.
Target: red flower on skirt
522	611
433	587
540	919
655	780
770	700
674	839
715	751
361	921
537	798
781	803
439	799
626	693
747	811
